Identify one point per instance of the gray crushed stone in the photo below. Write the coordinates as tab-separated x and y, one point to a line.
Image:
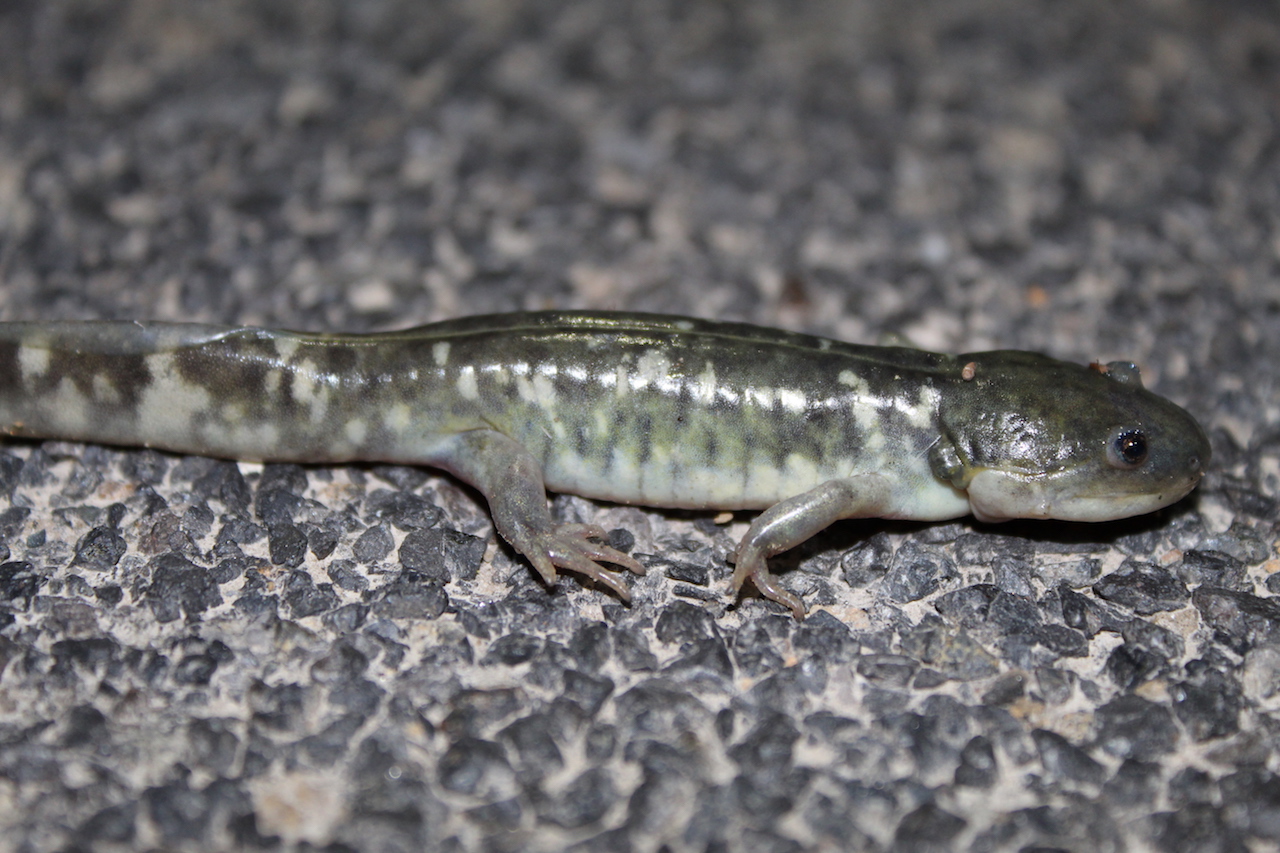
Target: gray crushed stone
199	654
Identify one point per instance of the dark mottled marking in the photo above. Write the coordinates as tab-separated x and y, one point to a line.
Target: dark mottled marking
10	369
643	427
710	447
350	366
818	435
779	450
607	448
684	398
233	368
127	374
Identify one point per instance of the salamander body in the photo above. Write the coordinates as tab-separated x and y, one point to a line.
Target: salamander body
635	408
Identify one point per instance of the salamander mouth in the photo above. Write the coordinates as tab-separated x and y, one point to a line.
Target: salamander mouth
998	496
1111	507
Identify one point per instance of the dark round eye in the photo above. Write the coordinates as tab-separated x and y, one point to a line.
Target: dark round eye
1128	448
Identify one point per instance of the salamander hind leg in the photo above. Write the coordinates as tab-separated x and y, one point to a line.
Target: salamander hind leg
788	523
511	481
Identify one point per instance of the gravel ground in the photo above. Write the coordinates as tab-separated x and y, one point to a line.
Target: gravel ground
200	655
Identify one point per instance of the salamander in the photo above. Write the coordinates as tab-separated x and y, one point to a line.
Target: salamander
635	408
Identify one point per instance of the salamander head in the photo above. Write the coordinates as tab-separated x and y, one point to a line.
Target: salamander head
1027	436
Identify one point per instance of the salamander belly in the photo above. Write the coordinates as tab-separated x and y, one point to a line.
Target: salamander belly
678	480
756	484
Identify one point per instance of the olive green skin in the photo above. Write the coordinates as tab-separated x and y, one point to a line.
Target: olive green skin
635	408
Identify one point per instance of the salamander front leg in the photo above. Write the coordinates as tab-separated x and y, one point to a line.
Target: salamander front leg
788	523
511	481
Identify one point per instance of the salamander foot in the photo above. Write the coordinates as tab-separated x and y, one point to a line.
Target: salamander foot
750	564
569	547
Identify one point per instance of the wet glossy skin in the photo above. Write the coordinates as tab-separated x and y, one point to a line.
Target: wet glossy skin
635	408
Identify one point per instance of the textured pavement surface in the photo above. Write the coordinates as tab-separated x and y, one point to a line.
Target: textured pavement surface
200	655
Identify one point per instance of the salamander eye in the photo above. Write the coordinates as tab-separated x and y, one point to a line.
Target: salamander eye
1127	449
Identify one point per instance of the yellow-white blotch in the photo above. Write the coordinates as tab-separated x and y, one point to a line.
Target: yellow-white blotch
356	431
440	353
33	361
398	418
467	385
